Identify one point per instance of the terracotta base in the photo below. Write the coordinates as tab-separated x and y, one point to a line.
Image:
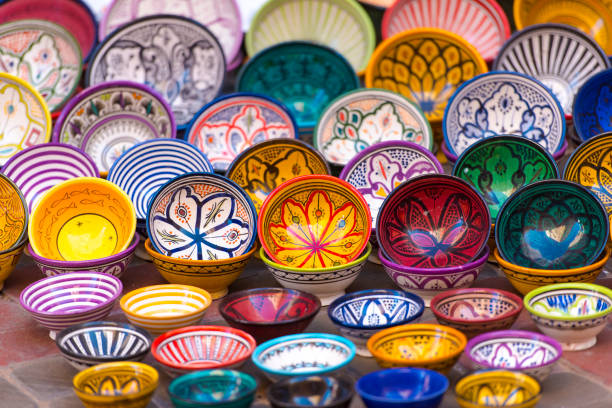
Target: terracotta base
217	294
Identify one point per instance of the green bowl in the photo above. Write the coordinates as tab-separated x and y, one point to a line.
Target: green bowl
213	388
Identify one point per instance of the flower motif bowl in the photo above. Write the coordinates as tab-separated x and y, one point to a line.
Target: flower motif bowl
452	158
592	107
497	388
323	391
213	388
14	213
9	259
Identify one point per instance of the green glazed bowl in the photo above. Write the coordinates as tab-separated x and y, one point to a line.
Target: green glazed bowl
213	388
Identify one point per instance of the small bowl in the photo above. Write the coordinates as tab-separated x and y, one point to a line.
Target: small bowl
14	215
515	350
160	308
497	388
572	313
431	346
266	313
88	344
323	391
358	315
303	354
591	106
117	385
9	259
452	158
194	348
402	388
475	311
213	388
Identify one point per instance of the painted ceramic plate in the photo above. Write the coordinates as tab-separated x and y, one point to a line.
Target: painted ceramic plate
426	65
201	216
379	169
315	221
231	124
266	165
498	166
503	103
362	118
107	119
592	107
177	57
13	214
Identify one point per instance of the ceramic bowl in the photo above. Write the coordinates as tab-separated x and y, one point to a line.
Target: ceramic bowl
88	344
452	158
82	219
552	224
194	348
358	315
400	64
14	215
474	311
9	259
402	388
327	283
303	76
592	107
266	313
323	391
335	213
516	350
117	385
497	388
572	313
58	302
213	388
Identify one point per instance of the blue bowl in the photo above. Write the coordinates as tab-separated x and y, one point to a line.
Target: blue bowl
592	106
329	391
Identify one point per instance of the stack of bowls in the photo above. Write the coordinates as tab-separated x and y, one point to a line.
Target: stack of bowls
15	224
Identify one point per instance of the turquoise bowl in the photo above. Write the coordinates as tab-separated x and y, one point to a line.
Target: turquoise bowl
213	388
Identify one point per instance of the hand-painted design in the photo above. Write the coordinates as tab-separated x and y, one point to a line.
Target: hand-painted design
570	325
514	354
596	120
374	311
500	394
13	214
432	283
571	303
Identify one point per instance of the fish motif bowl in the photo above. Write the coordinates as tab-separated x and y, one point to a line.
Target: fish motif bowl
552	224
515	350
358	315
591	109
9	259
497	388
572	313
323	391
213	388
14	215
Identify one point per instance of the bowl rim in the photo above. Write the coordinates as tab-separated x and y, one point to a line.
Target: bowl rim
569	286
452	158
24	234
597	81
196	262
196	376
15	248
516	376
480	260
601	261
135	366
586	144
169	286
399	371
344	382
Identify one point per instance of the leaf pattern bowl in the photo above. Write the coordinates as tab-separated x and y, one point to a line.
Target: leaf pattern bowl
592	107
497	388
324	391
452	158
213	388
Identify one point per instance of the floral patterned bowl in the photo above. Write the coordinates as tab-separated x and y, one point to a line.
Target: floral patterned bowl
9	259
592	107
14	215
324	391
452	158
213	388
497	388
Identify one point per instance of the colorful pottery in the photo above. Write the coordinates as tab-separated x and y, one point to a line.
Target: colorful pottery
13	214
176	56
552	224
452	158
213	388
9	259
591	112
497	389
231	124
426	65
323	391
334	212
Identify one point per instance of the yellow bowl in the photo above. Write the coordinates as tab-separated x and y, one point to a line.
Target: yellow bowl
431	346
82	219
497	389
13	214
9	259
119	385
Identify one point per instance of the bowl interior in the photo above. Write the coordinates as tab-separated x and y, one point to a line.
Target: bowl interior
477	306
418	344
571	303
497	389
513	352
165	301
104	341
213	386
402	385
313	391
117	380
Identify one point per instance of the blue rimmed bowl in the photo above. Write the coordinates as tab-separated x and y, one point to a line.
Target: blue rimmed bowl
322	391
592	107
213	388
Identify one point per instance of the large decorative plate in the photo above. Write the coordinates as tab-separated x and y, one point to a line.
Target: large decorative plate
315	221
177	57
503	103
457	16
379	169
266	165
201	216
45	55
231	124
222	18
559	56
107	119
426	65
145	167
362	118
13	214
592	108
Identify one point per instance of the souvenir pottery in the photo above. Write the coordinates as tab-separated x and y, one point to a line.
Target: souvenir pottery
559	56
426	65
334	212
107	119
324	391
231	124
266	165
213	388
452	158
13	214
592	108
38	168
201	216
498	166
572	313
176	56
362	118
303	76
341	25
497	388
358	315
552	224
9	259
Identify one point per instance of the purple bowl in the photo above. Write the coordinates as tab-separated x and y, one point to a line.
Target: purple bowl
453	158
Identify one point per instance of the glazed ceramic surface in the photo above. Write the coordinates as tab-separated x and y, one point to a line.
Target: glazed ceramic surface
498	166
13	214
303	76
314	221
220	388
201	216
323	391
559	56
497	389
176	56
592	108
425	65
9	259
552	224
362	118
231	124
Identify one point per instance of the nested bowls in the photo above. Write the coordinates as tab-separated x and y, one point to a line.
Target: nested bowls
591	106
497	388
213	388
14	215
323	391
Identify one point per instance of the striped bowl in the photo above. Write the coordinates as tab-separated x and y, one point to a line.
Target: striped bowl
195	348
160	308
58	302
